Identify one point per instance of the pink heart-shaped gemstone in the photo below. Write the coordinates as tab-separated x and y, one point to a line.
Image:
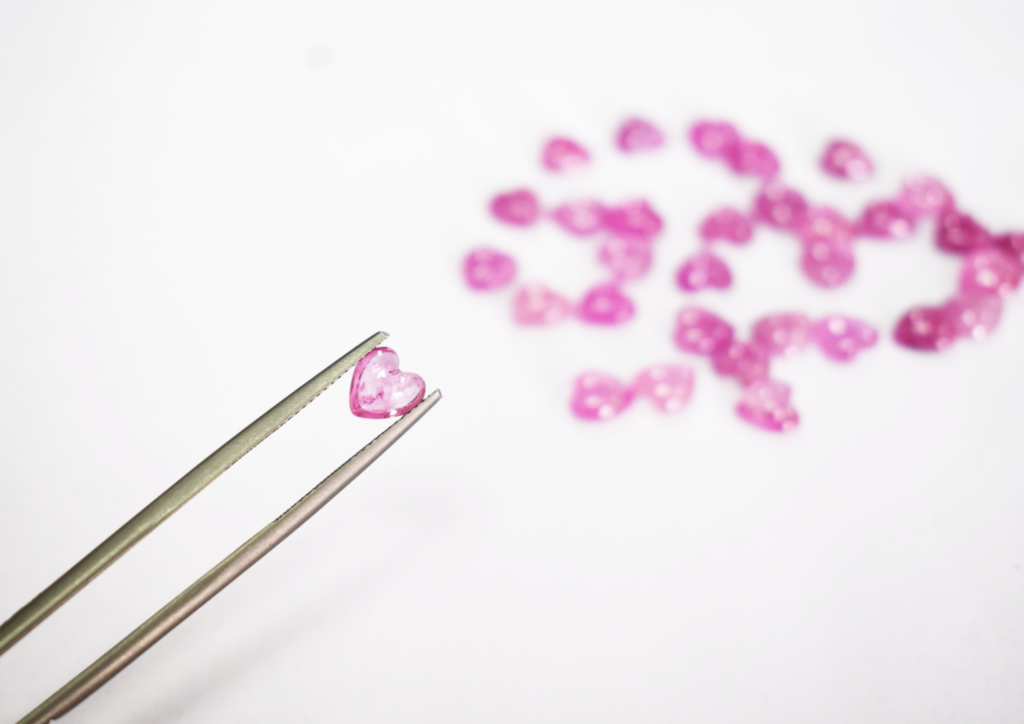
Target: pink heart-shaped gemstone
701	271
886	220
752	158
668	386
636	134
925	196
627	258
701	332
580	218
782	334
606	304
714	139
536	305
726	224
780	207
974	316
927	329
960	233
564	154
633	220
765	404
597	396
487	269
990	271
842	338
828	263
380	389
846	160
519	207
745	362
824	224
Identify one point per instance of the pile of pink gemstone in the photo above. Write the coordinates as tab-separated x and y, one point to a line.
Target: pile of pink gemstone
992	267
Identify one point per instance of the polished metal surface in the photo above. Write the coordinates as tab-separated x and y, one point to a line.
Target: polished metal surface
58	593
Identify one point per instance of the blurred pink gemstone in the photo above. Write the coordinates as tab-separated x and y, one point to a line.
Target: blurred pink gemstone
727	224
780	207
606	304
488	269
597	396
564	154
886	220
633	220
703	270
751	158
990	271
765	404
828	263
668	386
1012	243
628	259
781	334
636	134
925	196
847	160
714	139
746	362
380	389
701	332
842	338
535	304
580	218
974	316
927	329
518	207
824	224
960	233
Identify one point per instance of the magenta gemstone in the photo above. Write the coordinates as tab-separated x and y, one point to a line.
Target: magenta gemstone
597	396
564	154
628	259
828	263
925	196
765	404
636	134
606	304
960	233
702	332
633	220
886	220
780	207
751	158
746	362
580	218
974	316
842	338
990	271
668	386
519	207
1011	243
846	160
486	268
781	334
536	305
726	224
379	389
703	270
714	139
926	329
825	224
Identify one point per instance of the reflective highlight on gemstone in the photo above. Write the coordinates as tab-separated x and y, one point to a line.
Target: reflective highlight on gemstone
667	386
485	269
597	397
380	389
766	404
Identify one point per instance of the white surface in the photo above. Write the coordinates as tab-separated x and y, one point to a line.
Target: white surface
202	204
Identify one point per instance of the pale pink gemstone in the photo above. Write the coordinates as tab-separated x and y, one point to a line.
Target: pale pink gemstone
828	263
780	207
380	389
701	332
746	362
1012	243
606	304
580	218
927	329
782	334
535	305
842	338
636	134
564	154
825	224
597	396
703	270
846	160
886	220
628	259
752	158
486	268
714	139
519	207
990	271
726	224
668	386
633	220
960	233
974	316
925	196
765	404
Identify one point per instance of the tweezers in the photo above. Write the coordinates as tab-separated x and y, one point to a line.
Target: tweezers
218	577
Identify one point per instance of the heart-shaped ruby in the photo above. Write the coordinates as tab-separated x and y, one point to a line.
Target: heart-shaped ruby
636	134
703	270
727	224
598	396
519	207
668	386
765	403
846	160
842	338
606	304
535	305
380	389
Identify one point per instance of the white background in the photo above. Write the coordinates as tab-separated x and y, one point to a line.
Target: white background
202	204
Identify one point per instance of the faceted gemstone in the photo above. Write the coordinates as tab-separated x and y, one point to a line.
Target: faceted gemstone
780	207
825	224
828	263
519	207
702	332
842	338
886	220
1012	243
751	158
990	271
746	362
628	259
925	196
960	233
597	396
636	134
714	139
486	268
606	304
925	328
668	386
781	334
580	218
765	404
701	271
564	154
633	220
847	160
726	224
535	304
379	389
974	316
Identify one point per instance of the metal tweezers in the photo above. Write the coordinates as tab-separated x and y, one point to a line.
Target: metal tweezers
209	585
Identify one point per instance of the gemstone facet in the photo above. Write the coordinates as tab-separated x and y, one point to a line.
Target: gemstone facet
597	396
519	207
703	270
379	389
765	404
842	338
636	134
701	332
668	386
606	304
536	305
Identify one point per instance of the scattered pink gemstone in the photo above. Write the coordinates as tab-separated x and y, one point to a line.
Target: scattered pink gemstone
990	271
703	270
633	220
960	233
628	259
847	160
636	134
842	338
379	389
925	196
580	218
751	158
606	304
886	220
828	263
714	139
519	207
825	224
746	362
726	224
974	316
782	334
702	332
1012	243
780	207
927	329
597	396
486	269
564	154
535	305
668	386
765	404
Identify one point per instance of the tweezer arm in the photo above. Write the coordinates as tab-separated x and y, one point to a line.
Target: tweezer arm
112	662
58	592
